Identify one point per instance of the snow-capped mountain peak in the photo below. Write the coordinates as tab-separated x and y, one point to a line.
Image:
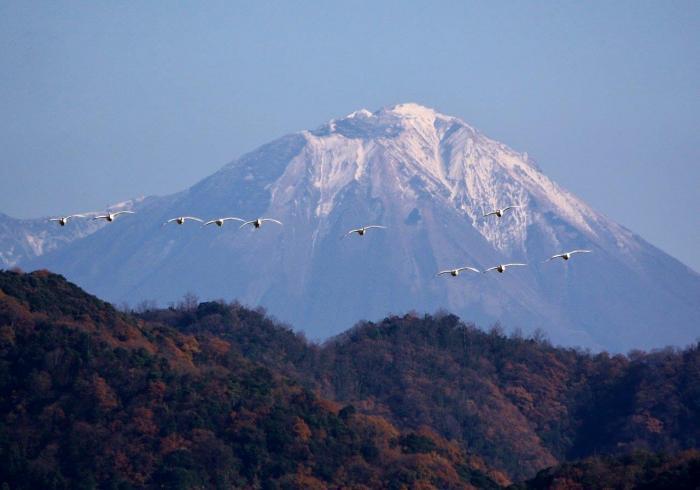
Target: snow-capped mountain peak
413	150
429	178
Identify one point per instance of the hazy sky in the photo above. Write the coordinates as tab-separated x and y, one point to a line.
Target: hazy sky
103	101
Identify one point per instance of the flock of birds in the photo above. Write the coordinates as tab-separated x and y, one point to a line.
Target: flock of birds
180	220
361	231
501	268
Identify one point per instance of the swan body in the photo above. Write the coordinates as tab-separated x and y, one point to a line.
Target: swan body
220	221
567	255
455	272
109	217
501	268
63	220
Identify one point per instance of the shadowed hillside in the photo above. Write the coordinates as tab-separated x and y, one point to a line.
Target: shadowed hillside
519	402
217	395
643	471
94	398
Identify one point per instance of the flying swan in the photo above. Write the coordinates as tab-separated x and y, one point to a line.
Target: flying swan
220	221
111	216
257	223
362	230
64	219
502	267
567	255
499	212
181	220
455	272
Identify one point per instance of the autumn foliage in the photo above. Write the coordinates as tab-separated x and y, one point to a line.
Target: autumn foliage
216	395
520	403
92	397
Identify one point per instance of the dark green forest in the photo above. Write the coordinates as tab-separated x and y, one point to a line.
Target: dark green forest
217	395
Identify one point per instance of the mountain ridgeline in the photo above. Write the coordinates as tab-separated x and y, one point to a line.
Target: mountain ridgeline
429	178
212	394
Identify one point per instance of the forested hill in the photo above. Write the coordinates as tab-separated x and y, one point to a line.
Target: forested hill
520	403
95	398
218	395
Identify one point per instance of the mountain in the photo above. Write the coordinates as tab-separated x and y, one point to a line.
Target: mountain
429	178
217	395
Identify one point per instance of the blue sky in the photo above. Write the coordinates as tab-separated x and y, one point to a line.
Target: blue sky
103	101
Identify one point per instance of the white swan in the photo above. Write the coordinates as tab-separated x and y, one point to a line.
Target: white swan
63	220
455	272
502	267
111	216
221	221
499	212
362	230
257	223
181	220
567	255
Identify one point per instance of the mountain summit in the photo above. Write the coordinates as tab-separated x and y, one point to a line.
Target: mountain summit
429	178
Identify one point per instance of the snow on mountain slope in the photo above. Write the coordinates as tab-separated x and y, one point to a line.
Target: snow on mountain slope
430	178
24	239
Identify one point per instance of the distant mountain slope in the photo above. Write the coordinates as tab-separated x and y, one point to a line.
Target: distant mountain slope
22	240
92	398
429	177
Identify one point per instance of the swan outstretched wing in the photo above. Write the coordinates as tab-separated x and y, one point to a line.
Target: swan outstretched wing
375	226
75	216
443	272
557	256
514	265
270	219
514	206
491	269
490	214
101	216
246	223
193	218
114	215
55	219
580	252
467	268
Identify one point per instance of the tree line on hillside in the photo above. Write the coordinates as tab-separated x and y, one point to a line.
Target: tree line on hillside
214	394
519	402
95	398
